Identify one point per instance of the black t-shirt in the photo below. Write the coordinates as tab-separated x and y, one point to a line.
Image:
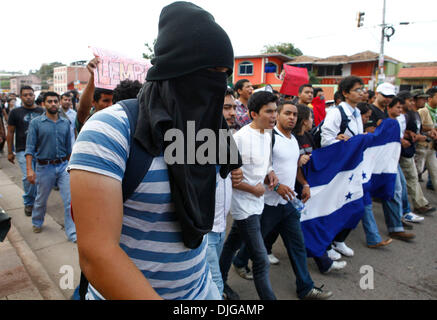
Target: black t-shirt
414	123
20	118
377	115
306	143
306	146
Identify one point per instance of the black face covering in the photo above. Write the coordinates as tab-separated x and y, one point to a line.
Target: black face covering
170	104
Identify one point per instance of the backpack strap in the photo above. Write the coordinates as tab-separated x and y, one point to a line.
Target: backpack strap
139	160
344	121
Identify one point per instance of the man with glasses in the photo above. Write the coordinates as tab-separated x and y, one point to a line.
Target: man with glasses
352	90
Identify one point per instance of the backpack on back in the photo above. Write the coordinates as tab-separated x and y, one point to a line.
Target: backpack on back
316	132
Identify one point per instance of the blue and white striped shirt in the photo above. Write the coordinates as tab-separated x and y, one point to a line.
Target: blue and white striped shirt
151	234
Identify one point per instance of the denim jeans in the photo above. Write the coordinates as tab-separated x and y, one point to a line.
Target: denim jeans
271	238
287	221
249	231
405	203
393	208
323	262
29	189
370	227
46	177
213	292
213	252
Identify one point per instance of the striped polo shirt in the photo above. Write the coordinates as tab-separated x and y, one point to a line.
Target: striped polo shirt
151	234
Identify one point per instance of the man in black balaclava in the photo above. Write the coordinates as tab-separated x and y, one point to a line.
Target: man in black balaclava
153	246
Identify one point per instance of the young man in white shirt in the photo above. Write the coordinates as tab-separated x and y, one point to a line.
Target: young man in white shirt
254	143
223	196
278	212
352	90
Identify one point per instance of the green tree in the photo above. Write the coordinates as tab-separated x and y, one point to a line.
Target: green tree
284	47
150	52
312	78
45	73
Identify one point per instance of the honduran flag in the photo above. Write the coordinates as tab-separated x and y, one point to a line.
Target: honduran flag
343	177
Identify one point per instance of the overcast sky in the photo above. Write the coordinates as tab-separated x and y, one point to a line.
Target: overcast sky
43	31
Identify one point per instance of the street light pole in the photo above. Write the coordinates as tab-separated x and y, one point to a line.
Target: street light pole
381	77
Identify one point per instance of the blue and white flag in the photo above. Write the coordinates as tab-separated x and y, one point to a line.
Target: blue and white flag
343	178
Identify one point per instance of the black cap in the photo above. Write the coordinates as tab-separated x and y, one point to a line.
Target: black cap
404	94
188	40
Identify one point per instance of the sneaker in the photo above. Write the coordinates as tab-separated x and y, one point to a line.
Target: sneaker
425	210
336	265
273	259
229	294
318	294
244	272
381	244
343	249
36	229
402	235
411	217
333	255
28	210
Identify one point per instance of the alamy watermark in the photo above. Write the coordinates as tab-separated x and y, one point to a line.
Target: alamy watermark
367	281
206	150
67	280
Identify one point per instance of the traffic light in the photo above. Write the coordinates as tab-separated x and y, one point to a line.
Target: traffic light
360	19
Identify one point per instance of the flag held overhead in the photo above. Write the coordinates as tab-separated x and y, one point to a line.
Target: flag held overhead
294	77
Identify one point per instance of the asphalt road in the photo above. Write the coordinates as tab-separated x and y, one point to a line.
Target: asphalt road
400	271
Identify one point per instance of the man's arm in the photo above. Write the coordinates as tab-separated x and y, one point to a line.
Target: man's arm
98	215
306	194
30	151
86	100
10	139
257	190
30	173
331	128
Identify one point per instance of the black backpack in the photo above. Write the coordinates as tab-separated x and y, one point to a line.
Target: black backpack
137	166
316	132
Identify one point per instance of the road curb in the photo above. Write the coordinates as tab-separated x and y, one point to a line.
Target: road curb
40	278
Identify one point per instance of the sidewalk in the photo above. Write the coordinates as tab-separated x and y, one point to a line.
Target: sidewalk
34	266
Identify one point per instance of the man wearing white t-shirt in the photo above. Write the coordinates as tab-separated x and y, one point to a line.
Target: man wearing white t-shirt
278	212
254	145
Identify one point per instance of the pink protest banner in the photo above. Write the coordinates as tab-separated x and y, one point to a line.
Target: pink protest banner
294	77
114	68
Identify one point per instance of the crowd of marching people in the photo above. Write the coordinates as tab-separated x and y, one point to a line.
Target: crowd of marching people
161	231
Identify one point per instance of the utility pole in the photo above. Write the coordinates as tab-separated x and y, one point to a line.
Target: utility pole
381	74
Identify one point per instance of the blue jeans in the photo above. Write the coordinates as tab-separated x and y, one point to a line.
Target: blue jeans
249	231
213	292
287	221
370	227
393	208
213	252
29	189
323	262
405	203
46	177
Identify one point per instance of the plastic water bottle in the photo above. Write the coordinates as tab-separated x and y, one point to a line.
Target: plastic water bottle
299	205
